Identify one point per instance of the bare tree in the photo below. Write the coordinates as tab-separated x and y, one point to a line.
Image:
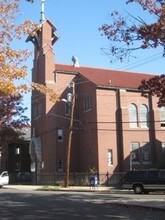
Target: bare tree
128	33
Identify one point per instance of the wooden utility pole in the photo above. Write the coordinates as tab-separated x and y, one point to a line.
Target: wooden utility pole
72	105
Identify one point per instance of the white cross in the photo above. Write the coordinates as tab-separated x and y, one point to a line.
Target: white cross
42	10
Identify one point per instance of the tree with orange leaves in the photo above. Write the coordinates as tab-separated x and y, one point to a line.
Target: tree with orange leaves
12	61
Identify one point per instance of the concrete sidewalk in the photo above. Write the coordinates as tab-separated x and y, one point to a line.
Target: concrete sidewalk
154	204
22	187
60	188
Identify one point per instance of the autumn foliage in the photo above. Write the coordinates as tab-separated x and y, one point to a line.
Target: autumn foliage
154	86
129	33
12	111
13	67
12	61
12	117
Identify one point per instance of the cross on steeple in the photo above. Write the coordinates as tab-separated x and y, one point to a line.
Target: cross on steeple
42	11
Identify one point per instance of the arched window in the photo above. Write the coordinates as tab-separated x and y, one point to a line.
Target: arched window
133	116
162	117
144	116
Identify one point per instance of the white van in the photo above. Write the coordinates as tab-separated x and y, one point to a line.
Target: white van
4	178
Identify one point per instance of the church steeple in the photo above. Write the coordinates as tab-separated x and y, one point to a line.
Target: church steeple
43	37
36	36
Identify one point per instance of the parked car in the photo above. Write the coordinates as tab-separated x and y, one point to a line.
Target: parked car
144	181
4	178
24	177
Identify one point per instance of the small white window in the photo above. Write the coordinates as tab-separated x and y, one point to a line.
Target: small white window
60	135
110	157
17	150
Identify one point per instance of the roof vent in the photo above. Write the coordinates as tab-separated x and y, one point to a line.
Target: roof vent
75	61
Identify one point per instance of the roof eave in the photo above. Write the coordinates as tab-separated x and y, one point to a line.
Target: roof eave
66	72
118	88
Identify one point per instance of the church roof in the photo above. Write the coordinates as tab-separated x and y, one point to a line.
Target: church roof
106	77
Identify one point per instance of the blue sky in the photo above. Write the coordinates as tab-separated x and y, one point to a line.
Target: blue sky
77	24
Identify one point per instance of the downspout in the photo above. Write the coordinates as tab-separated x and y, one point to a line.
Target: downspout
152	136
119	132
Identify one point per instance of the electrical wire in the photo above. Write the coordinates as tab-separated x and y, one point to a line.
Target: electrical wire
142	61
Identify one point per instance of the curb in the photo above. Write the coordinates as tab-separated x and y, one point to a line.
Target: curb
135	206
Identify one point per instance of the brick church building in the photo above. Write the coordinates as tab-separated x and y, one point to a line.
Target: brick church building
114	129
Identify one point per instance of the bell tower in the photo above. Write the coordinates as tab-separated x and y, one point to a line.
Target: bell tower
43	37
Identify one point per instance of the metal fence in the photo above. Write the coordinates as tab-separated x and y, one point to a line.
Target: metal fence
75	179
78	179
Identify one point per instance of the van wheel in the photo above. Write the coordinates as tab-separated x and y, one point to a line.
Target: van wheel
138	189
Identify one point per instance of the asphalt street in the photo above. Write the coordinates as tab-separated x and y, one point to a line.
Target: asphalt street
153	200
26	202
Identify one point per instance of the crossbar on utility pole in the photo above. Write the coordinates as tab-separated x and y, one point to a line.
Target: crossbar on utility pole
70	136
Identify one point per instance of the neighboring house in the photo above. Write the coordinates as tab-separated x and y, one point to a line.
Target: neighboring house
14	155
115	128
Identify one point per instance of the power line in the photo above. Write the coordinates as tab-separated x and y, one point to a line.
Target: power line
144	63
106	122
141	61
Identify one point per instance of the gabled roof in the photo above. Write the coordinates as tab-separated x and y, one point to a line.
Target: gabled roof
106	77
